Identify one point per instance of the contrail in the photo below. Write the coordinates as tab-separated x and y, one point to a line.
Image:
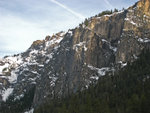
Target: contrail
108	3
68	9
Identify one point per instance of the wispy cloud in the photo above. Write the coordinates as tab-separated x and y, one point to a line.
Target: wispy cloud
21	22
68	9
109	4
18	30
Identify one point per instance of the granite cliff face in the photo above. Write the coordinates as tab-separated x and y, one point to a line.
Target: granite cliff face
67	62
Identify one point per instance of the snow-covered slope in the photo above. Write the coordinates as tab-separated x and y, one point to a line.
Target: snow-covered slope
26	67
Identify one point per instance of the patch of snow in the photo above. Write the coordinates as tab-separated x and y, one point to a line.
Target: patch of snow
80	44
42	52
113	48
32	79
114	13
50	56
130	10
59	40
13	77
120	12
41	65
127	19
92	67
56	47
83	25
30	111
86	86
47	61
94	77
3	76
103	40
6	65
33	82
98	17
133	23
35	72
122	64
135	56
19	97
6	93
146	16
77	46
34	52
70	32
53	80
100	71
145	40
54	41
15	59
108	15
85	48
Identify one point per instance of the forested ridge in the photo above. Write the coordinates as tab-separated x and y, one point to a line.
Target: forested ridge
127	91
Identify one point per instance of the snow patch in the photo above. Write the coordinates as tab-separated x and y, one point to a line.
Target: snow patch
113	48
85	48
130	21
123	64
34	52
13	77
135	57
70	32
100	71
15	59
145	40
115	13
103	40
53	80
3	67
94	77
6	93
81	44
54	41
30	111
19	97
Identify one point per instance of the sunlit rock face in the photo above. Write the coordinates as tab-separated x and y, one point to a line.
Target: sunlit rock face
70	61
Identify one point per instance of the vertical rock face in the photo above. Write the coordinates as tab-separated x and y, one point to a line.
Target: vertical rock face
87	53
144	5
67	62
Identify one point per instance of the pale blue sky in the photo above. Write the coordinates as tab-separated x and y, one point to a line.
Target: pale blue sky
24	21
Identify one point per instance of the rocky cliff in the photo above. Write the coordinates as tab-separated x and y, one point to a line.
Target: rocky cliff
65	63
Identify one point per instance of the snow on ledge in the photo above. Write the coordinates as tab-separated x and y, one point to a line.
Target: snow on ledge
101	71
145	40
80	44
123	64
